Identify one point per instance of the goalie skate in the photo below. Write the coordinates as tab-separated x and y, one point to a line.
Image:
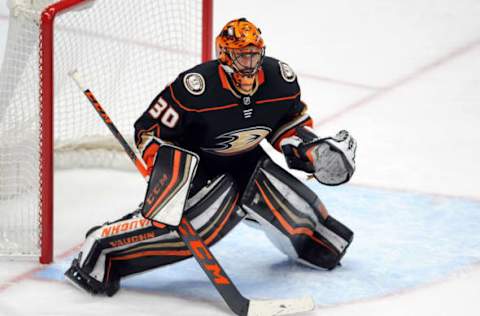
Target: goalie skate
81	280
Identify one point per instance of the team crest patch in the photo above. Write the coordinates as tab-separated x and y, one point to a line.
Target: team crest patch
194	83
287	72
239	141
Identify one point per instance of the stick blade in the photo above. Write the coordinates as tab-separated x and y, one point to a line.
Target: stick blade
280	307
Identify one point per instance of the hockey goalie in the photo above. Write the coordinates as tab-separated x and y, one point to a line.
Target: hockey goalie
216	114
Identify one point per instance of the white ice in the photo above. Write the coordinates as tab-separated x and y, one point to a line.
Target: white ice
404	78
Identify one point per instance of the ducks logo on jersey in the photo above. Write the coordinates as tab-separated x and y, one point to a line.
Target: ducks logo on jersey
235	142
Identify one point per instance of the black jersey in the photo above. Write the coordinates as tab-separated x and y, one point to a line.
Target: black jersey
201	112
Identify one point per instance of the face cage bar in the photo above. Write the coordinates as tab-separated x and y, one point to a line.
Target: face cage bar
247	70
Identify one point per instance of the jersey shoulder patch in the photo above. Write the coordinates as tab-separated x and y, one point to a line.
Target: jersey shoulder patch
194	83
287	72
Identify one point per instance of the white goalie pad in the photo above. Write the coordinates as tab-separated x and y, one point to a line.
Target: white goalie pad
291	216
169	185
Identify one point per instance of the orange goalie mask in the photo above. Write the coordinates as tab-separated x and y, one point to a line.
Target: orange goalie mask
240	47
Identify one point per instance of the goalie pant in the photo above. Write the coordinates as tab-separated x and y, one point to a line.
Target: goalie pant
290	214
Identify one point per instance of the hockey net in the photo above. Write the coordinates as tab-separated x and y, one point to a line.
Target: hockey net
127	51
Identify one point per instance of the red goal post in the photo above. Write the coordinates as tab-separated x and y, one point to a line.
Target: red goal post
129	55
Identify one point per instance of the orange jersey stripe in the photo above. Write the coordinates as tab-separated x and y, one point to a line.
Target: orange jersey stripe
261	76
223	78
278	99
214	108
290	133
287	134
156	132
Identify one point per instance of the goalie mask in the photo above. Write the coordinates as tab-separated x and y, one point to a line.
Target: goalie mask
240	48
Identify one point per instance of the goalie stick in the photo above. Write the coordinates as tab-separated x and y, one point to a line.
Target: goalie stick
224	285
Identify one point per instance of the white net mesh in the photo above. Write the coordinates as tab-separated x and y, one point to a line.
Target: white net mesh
127	51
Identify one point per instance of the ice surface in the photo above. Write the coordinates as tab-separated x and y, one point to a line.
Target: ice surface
402	240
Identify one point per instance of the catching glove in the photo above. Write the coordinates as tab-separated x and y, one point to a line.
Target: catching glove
331	160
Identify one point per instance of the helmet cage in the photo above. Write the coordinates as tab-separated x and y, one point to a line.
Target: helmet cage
246	62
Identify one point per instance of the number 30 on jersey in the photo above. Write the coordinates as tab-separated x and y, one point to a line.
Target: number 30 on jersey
169	117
